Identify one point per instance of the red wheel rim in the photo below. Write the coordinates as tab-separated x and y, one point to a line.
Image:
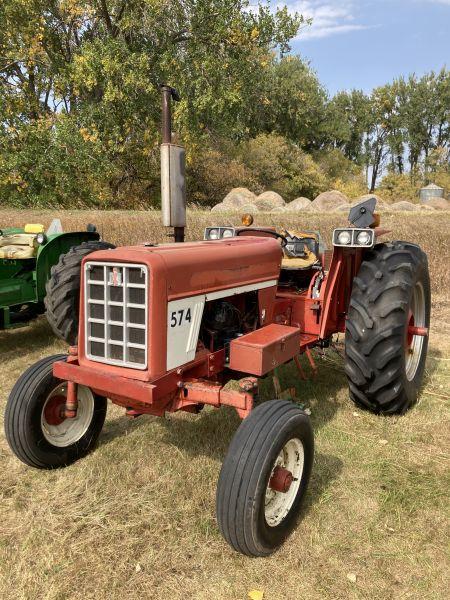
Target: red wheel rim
54	410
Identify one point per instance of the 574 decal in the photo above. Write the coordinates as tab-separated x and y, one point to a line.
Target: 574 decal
179	317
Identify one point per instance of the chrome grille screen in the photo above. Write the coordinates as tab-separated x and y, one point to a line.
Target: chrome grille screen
116	313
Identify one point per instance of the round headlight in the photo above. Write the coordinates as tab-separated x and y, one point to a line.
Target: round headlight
344	238
214	234
41	238
363	238
227	233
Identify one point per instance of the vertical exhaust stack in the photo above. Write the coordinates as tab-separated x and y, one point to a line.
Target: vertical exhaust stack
173	185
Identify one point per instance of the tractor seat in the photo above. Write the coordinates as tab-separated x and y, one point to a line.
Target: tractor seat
20	246
301	252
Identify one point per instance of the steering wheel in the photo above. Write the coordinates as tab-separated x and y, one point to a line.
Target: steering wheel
284	240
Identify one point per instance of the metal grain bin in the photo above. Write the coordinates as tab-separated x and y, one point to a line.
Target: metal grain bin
431	191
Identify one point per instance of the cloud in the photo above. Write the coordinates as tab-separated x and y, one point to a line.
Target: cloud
328	18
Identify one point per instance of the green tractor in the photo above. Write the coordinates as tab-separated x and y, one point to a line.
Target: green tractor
32	263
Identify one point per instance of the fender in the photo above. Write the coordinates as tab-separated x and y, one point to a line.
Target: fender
49	253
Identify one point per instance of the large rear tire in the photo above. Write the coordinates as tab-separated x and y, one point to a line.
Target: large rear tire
35	426
62	300
264	478
384	361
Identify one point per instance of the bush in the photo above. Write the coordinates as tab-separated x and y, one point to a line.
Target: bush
53	163
396	187
212	173
343	174
281	166
335	165
352	188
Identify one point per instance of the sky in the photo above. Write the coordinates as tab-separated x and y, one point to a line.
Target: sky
366	43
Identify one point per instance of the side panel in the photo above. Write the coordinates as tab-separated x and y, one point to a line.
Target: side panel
16	282
184	319
183	325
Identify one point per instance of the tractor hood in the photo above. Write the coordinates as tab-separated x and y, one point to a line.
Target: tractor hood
141	306
198	267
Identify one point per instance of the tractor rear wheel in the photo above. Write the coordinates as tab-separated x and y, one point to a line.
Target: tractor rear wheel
36	428
62	299
387	328
264	477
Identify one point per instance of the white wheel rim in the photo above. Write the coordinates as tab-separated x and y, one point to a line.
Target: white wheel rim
278	504
69	431
413	352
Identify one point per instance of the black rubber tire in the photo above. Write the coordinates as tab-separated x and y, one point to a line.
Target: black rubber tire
377	324
62	300
23	428
246	471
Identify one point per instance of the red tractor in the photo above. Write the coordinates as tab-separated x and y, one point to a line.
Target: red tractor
165	327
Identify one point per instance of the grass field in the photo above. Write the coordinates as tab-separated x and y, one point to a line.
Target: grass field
135	519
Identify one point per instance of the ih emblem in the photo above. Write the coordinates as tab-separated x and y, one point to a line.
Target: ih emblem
115	277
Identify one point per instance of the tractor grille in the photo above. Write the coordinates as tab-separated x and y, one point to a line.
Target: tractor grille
116	313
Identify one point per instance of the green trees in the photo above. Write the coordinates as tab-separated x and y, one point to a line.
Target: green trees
291	103
79	88
398	123
79	105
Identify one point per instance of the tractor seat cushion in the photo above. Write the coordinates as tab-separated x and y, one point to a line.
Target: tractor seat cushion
299	263
17	252
18	246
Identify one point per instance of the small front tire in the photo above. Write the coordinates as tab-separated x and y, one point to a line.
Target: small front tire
264	478
35	427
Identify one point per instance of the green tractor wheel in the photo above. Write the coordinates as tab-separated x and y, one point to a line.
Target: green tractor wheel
62	298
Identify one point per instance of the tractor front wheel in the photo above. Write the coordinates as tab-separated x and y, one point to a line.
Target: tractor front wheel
387	328
264	478
62	300
36	428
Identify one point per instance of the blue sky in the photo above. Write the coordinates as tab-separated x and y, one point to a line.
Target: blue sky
366	43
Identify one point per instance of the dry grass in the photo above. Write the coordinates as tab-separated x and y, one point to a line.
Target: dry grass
136	517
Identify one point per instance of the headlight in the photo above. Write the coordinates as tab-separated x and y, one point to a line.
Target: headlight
364	238
344	238
354	238
41	239
217	233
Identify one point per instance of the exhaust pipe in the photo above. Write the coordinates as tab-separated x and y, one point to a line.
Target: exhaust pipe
173	166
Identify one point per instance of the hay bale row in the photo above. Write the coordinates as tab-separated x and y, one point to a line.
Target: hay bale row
243	200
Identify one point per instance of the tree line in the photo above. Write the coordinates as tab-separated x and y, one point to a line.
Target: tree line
80	107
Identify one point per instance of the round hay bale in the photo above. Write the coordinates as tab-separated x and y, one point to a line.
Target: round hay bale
328	201
238	197
248	208
299	204
437	203
404	206
267	201
311	209
221	207
343	208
